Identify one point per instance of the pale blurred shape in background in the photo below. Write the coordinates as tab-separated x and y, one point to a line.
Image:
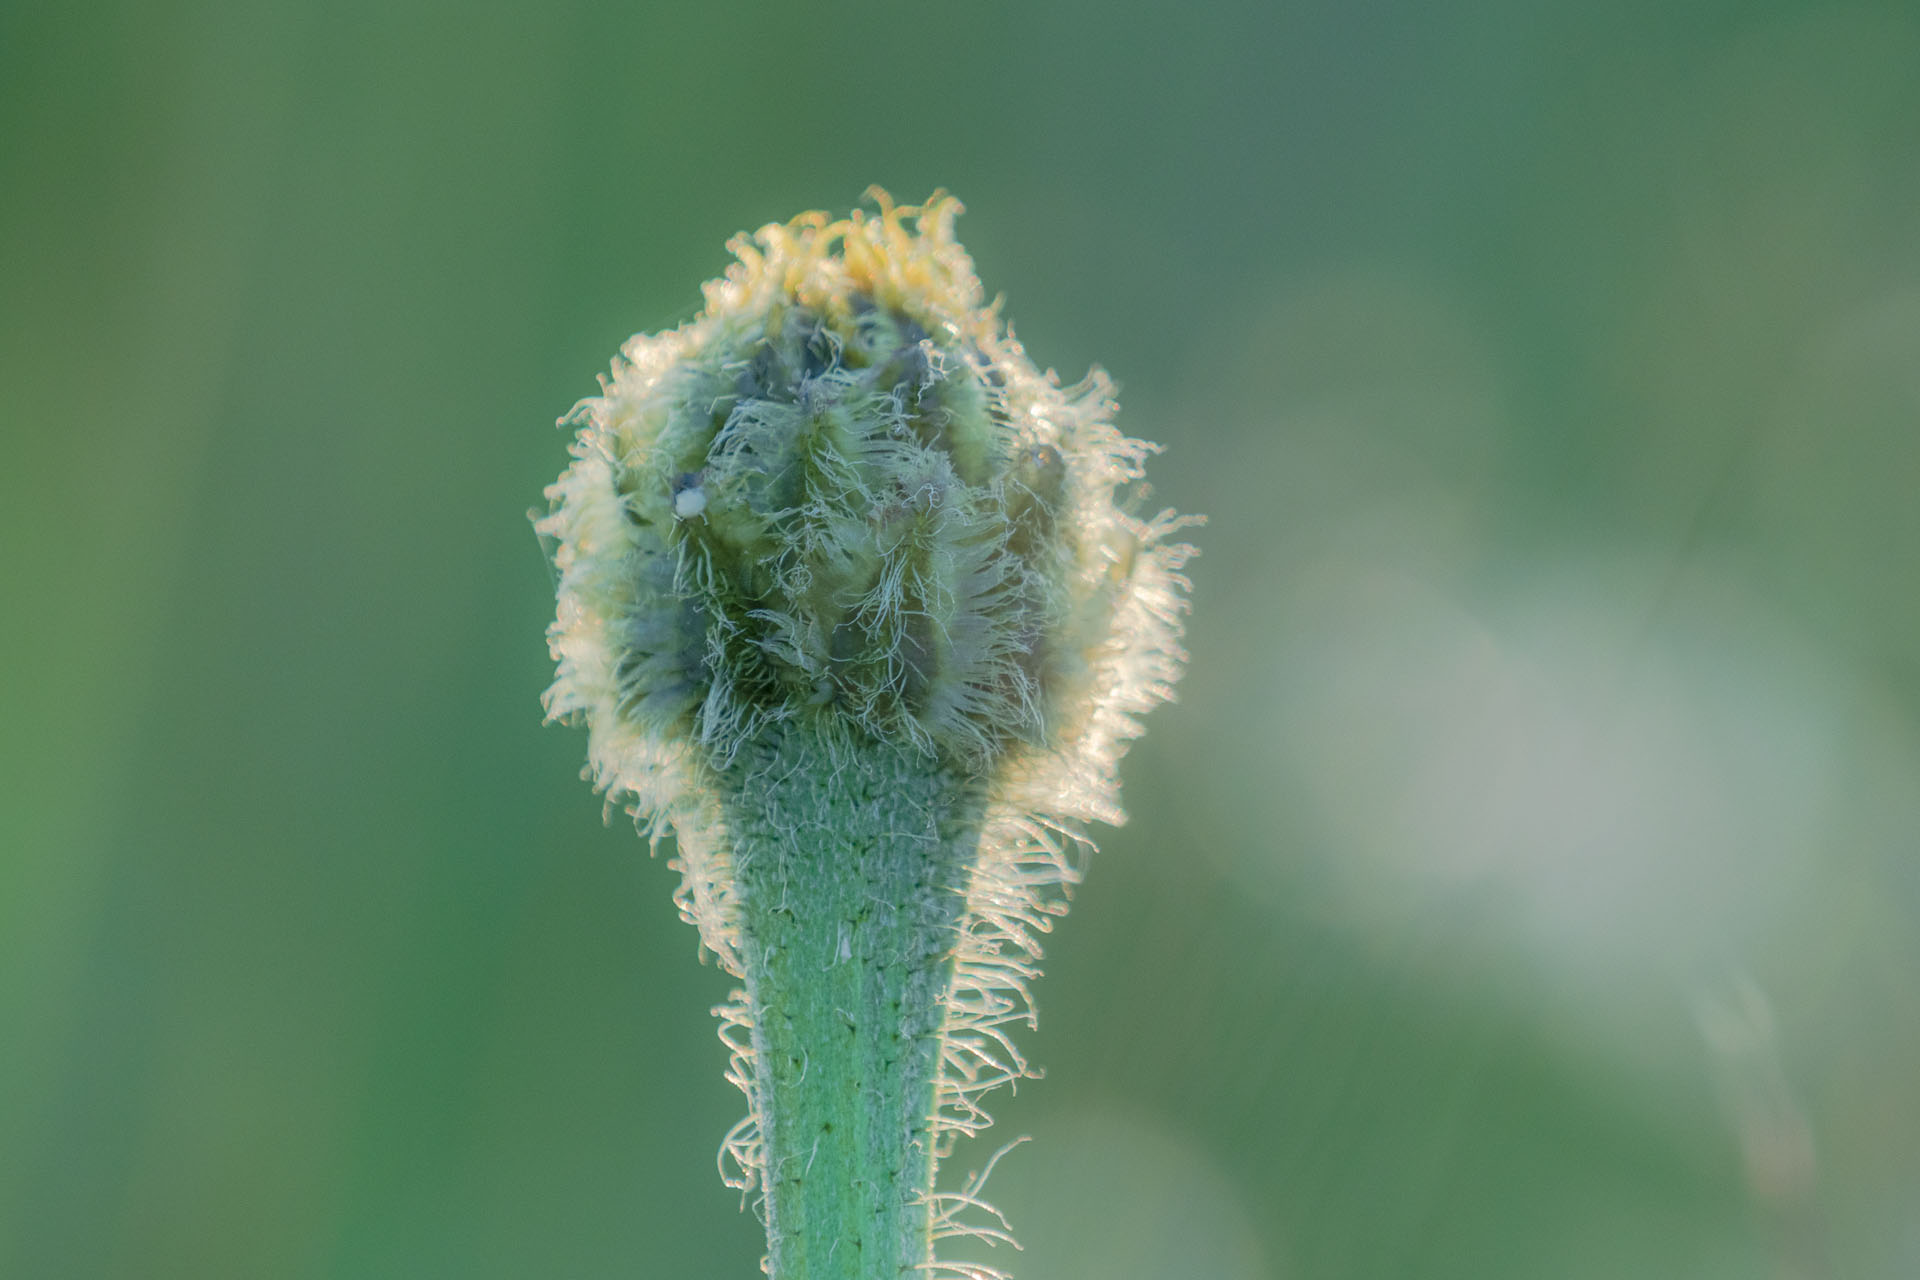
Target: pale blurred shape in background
1639	805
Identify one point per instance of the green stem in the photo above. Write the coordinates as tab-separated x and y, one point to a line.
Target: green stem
852	860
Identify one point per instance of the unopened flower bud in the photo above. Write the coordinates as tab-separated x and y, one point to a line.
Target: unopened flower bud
843	494
854	601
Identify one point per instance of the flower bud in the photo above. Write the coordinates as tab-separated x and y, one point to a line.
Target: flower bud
852	598
843	495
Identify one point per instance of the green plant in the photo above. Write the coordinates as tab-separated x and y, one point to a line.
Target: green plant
852	602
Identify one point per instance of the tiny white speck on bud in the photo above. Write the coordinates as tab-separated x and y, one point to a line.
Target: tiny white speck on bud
689	502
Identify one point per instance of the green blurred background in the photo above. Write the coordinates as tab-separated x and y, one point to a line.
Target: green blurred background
1524	886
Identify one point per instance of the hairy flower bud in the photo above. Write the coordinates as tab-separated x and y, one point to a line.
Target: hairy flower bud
853	600
842	493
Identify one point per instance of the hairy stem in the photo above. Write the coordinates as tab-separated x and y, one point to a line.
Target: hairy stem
853	858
